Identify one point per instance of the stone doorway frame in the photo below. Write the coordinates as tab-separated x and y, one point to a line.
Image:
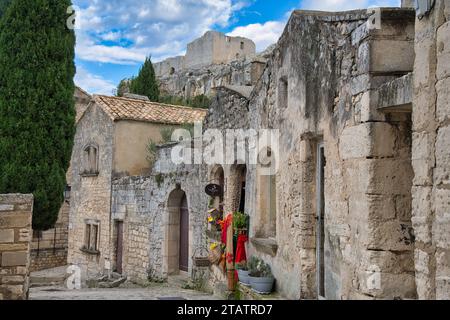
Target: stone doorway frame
171	245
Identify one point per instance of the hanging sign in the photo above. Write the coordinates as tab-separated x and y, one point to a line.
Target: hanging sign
213	190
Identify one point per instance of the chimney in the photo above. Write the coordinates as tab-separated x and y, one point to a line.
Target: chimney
135	96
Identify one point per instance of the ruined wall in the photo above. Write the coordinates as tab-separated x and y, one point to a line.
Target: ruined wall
431	157
193	82
91	194
211	49
15	235
368	172
142	203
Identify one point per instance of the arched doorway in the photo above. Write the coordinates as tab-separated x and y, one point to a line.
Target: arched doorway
177	238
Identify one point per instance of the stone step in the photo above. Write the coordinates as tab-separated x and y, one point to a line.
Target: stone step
49	277
114	283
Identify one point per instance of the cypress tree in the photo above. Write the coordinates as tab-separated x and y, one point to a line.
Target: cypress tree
145	83
3	5
37	114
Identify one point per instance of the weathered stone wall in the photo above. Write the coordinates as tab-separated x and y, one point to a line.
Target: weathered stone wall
211	49
49	248
91	194
193	82
431	155
368	172
142	203
15	235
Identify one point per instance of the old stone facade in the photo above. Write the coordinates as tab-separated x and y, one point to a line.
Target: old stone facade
15	236
431	155
111	141
149	208
355	203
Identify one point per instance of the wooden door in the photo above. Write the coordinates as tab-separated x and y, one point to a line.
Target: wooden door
184	235
320	222
119	247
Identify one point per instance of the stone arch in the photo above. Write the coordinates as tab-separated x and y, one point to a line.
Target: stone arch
177	205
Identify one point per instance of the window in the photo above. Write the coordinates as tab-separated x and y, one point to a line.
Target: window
90	160
91	236
67	191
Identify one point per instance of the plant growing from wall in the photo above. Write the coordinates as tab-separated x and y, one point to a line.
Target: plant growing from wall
159	179
240	221
37	113
151	153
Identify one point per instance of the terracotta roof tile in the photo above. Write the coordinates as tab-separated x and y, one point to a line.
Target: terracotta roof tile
119	108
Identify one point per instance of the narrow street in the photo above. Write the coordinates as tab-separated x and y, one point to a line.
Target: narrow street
49	285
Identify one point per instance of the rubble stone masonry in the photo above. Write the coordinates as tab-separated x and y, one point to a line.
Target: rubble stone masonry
15	236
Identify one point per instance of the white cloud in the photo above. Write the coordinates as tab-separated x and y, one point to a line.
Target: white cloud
342	5
93	83
262	34
145	27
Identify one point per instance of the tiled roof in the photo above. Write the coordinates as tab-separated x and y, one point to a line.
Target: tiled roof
119	108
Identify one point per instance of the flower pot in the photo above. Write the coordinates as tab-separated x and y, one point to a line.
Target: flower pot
263	285
244	277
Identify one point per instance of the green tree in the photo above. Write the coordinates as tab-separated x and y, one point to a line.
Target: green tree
3	5
145	83
37	114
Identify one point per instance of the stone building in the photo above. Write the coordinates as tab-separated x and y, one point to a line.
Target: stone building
113	139
49	248
431	153
210	49
357	208
352	203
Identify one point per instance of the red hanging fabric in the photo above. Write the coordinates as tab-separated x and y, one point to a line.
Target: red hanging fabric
225	224
240	249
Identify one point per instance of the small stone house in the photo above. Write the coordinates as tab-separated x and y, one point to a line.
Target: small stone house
112	139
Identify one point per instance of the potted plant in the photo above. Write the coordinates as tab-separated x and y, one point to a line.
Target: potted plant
243	273
240	222
261	277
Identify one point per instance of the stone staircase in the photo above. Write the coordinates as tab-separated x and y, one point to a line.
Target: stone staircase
49	277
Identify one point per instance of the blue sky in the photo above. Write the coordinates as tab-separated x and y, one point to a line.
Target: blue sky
115	36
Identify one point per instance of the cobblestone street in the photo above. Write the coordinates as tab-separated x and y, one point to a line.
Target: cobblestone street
155	292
